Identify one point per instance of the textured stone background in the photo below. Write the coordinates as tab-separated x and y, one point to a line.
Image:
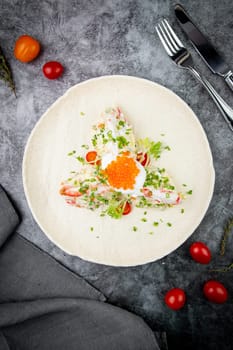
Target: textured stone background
93	38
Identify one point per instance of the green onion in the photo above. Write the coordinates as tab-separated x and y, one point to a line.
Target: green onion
80	159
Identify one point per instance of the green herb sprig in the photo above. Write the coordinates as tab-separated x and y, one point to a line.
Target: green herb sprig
6	73
227	230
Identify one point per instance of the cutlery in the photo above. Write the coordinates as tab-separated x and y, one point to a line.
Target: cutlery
182	57
204	48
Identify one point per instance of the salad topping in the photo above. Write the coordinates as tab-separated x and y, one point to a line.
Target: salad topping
119	172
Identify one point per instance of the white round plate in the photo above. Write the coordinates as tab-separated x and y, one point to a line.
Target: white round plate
154	112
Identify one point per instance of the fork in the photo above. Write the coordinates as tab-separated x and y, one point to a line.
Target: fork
182	57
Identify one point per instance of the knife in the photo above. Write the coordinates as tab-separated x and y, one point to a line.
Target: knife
205	49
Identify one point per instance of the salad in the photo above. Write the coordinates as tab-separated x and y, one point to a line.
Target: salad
119	172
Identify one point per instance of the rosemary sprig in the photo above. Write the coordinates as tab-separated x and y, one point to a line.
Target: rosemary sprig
224	269
5	72
227	231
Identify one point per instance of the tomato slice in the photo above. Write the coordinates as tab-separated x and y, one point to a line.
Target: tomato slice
127	208
143	158
91	157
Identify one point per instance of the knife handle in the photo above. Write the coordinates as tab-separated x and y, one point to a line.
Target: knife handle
229	79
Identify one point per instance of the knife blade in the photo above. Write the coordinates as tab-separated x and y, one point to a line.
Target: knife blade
204	48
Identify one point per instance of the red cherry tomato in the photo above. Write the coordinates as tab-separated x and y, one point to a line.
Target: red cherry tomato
91	157
200	252
127	208
175	298
143	158
215	292
53	69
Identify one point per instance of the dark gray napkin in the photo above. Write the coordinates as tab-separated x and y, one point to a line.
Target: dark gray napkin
44	306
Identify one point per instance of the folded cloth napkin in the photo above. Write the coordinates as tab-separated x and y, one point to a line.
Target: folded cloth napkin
45	306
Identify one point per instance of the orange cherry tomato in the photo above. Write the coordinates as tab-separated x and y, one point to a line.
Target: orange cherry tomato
26	48
127	208
91	157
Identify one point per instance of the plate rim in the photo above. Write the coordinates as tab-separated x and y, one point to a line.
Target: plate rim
128	77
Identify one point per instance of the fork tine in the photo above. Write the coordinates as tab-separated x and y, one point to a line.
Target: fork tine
173	34
164	41
170	38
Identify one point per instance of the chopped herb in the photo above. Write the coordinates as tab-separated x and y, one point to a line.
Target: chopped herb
155	223
83	188
115	210
145	212
144	220
169	224
80	159
167	148
92	228
85	146
94	140
167	195
69	179
122	142
135	228
71	153
121	123
227	230
151	233
155	149
184	185
82	114
182	211
162	134
189	192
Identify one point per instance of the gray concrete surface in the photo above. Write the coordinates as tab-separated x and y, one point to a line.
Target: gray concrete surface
94	38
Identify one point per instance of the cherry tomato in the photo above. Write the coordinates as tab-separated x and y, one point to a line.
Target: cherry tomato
143	158
26	48
215	292
127	208
175	298
200	252
53	69
91	157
